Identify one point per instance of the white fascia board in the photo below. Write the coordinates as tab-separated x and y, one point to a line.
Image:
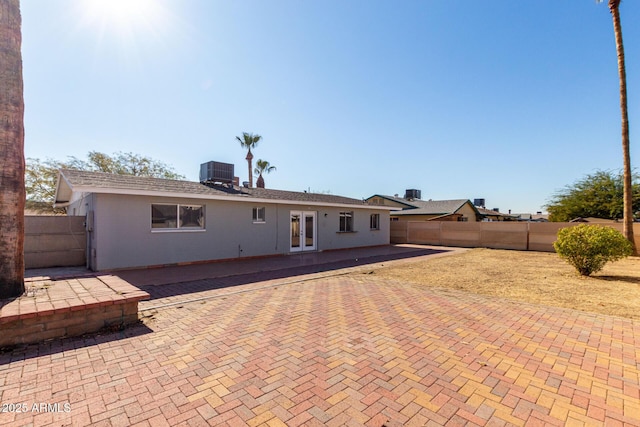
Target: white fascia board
133	192
63	189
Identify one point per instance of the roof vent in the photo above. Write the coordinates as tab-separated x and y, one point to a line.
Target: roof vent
212	172
412	194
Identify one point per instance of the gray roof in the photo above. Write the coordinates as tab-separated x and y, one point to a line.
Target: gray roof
489	212
427	207
74	181
433	207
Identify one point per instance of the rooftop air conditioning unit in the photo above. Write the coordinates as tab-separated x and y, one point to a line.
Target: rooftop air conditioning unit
479	202
211	172
412	194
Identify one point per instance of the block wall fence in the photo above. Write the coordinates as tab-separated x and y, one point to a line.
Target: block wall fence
524	236
54	241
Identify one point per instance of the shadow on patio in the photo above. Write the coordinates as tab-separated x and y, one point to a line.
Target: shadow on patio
166	282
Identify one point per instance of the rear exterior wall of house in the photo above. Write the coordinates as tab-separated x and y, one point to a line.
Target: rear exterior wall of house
120	232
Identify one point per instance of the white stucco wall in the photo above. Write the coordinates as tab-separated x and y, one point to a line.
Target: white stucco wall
122	236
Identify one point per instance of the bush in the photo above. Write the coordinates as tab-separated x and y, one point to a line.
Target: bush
589	247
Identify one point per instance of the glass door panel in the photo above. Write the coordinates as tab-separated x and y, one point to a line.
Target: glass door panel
295	232
309	230
302	231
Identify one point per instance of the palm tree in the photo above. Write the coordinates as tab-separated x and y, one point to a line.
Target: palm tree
627	222
262	166
12	167
249	141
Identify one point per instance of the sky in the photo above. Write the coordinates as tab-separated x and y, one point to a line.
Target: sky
510	101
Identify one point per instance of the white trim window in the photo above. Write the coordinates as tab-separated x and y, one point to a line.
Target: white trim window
176	217
346	222
259	215
374	222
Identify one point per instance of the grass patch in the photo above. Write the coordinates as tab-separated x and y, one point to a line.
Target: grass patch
532	277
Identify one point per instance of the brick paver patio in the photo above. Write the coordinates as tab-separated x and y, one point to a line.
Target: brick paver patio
333	350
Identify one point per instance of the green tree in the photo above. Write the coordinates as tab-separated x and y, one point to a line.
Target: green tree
627	227
41	177
249	141
40	182
598	195
262	166
12	191
124	164
589	247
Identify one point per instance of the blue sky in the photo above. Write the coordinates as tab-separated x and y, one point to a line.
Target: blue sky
503	100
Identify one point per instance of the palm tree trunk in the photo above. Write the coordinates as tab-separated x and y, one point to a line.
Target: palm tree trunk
627	227
12	191
249	159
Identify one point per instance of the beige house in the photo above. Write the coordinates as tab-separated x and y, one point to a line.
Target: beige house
414	209
492	215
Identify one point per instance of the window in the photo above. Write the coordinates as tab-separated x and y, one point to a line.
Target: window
258	214
177	217
346	221
374	222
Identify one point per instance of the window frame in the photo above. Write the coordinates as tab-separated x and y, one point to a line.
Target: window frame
255	214
178	211
346	222
374	221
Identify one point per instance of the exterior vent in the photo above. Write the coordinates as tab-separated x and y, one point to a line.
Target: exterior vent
479	203
211	172
412	194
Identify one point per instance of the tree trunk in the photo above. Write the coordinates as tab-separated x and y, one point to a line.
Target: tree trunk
12	191
249	159
627	227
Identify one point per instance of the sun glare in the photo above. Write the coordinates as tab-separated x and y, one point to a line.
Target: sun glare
128	21
121	13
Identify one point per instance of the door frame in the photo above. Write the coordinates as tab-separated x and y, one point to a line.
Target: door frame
302	232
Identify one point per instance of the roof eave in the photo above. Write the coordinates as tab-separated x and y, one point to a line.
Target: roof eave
135	192
64	190
392	199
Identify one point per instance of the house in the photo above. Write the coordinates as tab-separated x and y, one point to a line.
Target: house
537	217
414	209
595	220
491	215
139	221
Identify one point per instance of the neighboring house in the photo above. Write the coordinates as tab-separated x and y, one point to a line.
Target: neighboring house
595	220
138	221
537	217
495	215
414	209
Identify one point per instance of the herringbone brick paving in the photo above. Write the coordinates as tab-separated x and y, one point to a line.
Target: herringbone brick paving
337	351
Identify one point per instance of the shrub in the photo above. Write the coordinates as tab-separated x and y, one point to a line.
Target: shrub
589	247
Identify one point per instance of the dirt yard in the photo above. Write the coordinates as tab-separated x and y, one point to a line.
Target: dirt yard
533	277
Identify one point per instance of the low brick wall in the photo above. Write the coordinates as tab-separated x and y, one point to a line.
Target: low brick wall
67	308
42	326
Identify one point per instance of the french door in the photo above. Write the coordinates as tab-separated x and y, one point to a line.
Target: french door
303	231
